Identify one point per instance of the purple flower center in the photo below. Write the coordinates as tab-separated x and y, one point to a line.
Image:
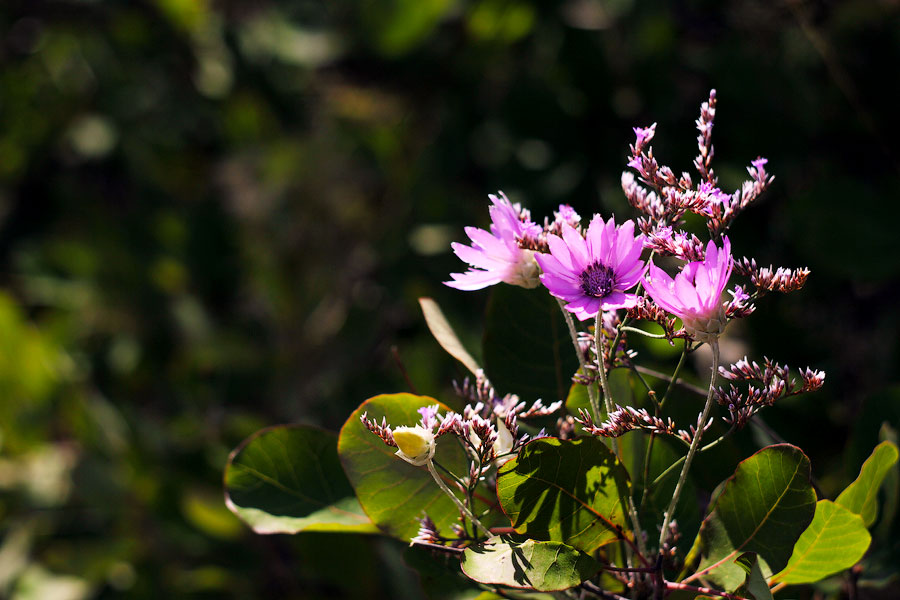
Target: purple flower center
597	280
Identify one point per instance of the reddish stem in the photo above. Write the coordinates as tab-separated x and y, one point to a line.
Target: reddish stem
702	590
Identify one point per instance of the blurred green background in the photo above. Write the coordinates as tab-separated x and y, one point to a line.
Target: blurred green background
217	216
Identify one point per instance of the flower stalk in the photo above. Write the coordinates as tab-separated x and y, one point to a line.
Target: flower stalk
462	507
695	443
573	333
607	398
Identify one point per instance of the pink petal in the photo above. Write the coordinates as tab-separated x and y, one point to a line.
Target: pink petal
577	248
473	280
560	251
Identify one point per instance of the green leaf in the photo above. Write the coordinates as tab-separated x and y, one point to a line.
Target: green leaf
755	585
527	349
287	479
763	508
835	540
568	491
891	487
578	398
393	492
440	575
444	334
861	496
527	564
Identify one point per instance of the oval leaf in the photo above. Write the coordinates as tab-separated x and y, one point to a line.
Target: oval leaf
288	479
393	492
568	491
527	564
527	349
442	331
861	496
835	540
763	508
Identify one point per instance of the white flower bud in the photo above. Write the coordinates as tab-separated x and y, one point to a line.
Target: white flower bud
415	444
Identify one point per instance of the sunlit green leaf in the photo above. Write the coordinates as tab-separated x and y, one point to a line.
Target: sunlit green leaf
861	496
763	508
569	491
288	479
835	540
528	564
393	492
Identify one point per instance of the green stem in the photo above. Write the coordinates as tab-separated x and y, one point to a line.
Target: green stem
450	474
677	372
647	468
678	462
695	443
607	398
658	336
573	333
462	507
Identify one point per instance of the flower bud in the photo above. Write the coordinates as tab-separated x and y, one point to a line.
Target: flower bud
706	328
415	444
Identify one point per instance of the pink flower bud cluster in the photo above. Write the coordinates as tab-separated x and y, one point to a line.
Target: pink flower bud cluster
767	383
770	279
488	431
627	418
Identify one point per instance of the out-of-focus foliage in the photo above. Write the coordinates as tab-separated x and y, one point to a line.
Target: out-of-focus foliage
215	216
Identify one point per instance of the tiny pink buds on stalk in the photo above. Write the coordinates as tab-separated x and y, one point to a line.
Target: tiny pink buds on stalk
695	295
496	255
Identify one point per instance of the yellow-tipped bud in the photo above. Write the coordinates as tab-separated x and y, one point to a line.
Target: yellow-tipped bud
415	444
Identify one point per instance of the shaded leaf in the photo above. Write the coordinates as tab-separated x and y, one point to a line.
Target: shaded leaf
288	479
569	491
835	540
527	349
527	564
755	585
393	492
861	496
444	334
763	508
440	575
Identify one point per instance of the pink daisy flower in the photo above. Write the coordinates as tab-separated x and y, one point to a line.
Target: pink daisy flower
695	294
591	273
495	255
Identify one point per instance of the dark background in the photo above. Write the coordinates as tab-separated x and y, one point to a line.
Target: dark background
217	216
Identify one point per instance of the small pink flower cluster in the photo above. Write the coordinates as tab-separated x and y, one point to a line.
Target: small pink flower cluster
598	268
488	426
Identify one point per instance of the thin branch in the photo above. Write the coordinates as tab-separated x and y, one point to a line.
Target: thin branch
679	382
702	590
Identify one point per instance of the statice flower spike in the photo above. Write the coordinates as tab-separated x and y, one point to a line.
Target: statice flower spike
495	255
592	273
695	294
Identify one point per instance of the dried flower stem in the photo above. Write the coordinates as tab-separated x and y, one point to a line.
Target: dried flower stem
462	507
695	443
607	398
